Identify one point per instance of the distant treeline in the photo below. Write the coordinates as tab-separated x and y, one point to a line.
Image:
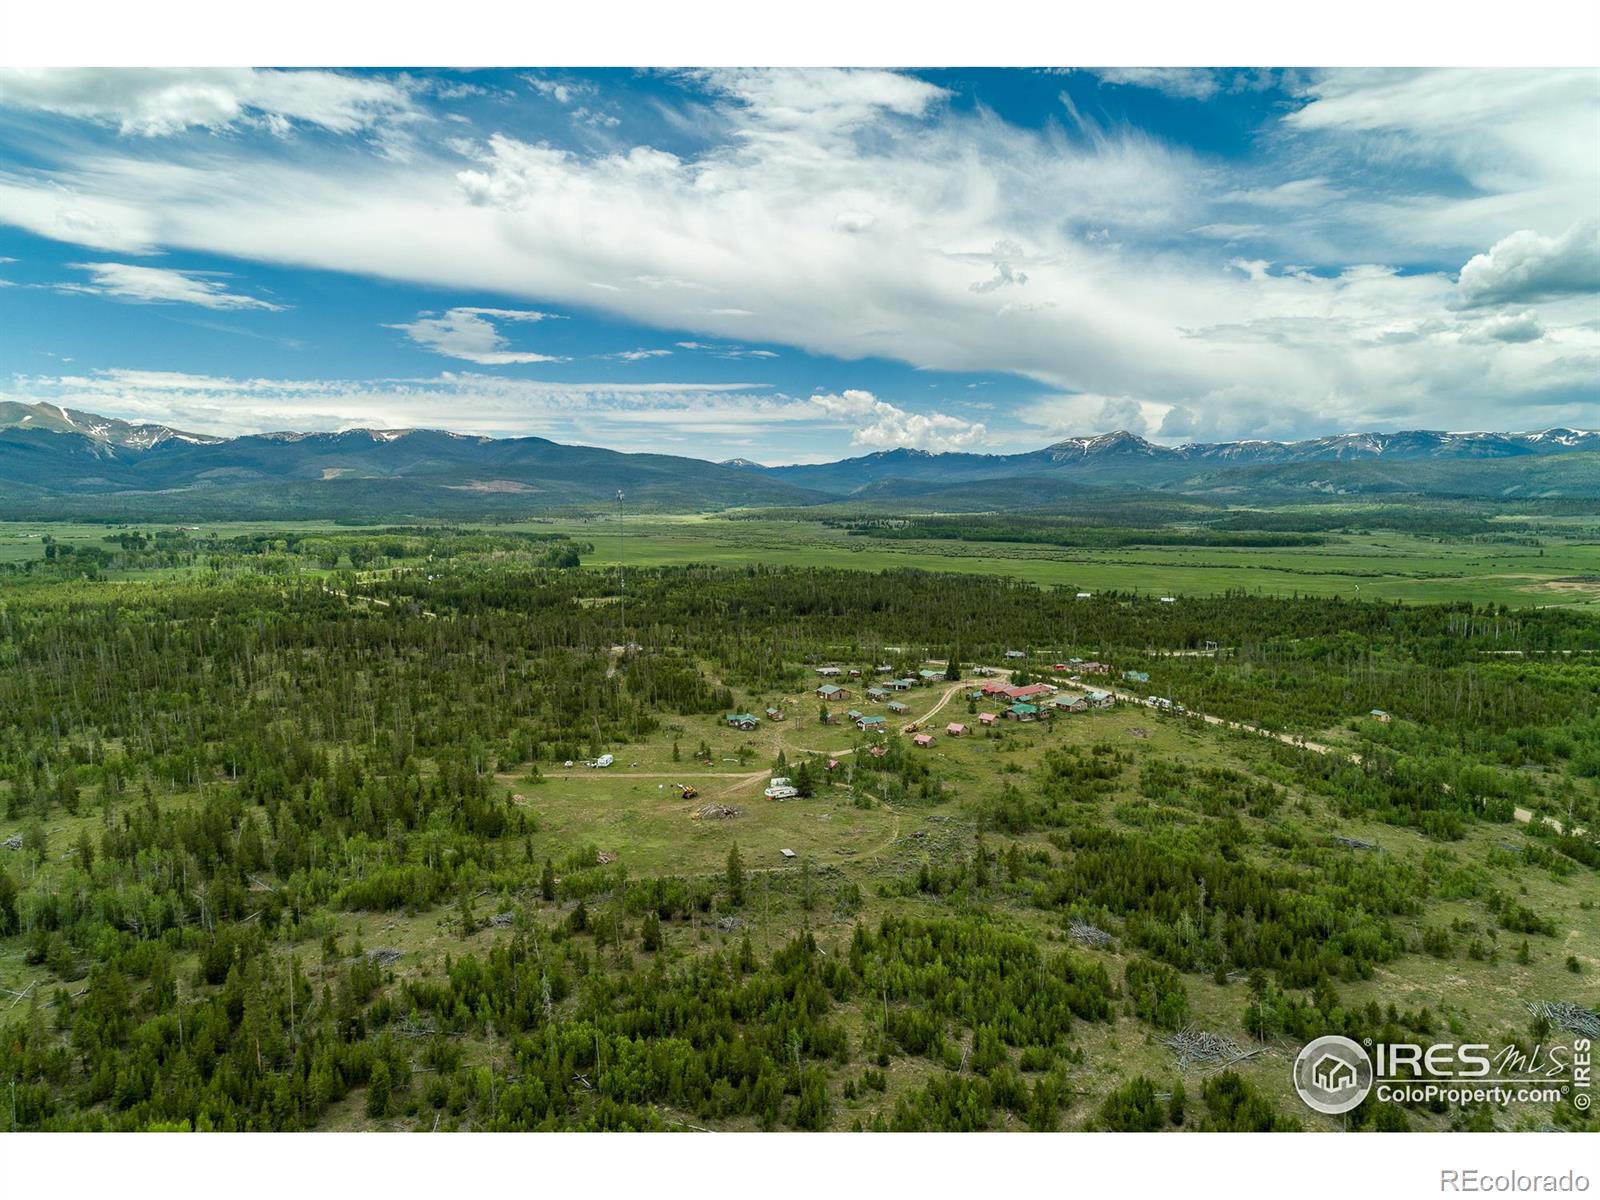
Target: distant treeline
1045	531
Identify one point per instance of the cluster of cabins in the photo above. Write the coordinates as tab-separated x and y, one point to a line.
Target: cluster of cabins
1034	701
1021	702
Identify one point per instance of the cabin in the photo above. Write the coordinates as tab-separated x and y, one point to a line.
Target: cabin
1030	691
1099	699
910	681
853	715
929	676
878	751
832	691
1016	654
995	688
901	685
827	672
986	718
1378	714
983	672
1136	676
923	739
1022	712
956	729
744	721
774	714
877	694
1070	702
1094	668
898	706
868	724
855	672
885	668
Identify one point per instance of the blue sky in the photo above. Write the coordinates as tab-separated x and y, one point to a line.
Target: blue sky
794	265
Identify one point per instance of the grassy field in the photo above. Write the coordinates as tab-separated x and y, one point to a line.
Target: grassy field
1564	570
1385	565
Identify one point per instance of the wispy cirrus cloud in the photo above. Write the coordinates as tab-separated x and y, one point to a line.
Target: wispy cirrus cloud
161	285
160	102
638	416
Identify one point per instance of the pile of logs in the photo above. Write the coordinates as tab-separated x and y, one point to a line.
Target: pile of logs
384	956
1356	843
1089	935
1563	1014
1202	1048
14	842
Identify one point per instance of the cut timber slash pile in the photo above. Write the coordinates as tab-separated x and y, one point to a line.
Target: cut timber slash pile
1089	935
715	812
1563	1014
1201	1048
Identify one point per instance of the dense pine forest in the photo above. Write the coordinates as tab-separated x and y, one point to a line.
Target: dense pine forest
296	832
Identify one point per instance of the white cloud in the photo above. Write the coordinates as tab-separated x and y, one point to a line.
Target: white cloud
851	213
156	102
619	415
470	334
1186	83
160	285
882	425
1525	266
1510	327
639	355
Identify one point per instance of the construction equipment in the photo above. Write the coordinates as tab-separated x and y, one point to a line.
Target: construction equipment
688	792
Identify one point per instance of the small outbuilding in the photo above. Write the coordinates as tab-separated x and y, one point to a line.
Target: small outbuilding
923	739
956	729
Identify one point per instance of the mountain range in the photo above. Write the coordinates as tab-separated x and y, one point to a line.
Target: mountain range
59	461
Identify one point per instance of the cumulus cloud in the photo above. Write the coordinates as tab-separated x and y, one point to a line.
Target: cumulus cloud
1511	327
1526	266
470	334
156	102
160	285
882	425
